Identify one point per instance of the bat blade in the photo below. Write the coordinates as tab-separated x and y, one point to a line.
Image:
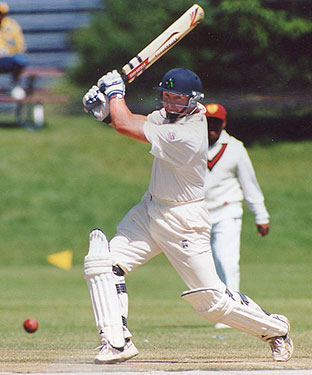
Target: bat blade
163	43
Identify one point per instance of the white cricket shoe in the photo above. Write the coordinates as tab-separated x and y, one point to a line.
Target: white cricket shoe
221	326
282	346
108	354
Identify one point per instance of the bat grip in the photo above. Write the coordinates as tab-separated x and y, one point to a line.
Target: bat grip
124	77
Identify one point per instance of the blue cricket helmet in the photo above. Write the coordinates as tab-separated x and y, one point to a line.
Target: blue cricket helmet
181	81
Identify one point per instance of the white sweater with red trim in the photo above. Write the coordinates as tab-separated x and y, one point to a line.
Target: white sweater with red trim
231	179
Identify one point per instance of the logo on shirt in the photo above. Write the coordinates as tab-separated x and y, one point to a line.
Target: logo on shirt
185	244
171	136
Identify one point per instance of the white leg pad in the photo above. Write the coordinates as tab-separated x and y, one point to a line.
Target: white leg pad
101	283
235	310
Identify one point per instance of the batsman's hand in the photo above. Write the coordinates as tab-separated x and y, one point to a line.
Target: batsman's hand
112	85
263	229
96	103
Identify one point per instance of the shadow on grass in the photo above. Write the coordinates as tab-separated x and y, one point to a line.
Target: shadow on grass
9	125
265	130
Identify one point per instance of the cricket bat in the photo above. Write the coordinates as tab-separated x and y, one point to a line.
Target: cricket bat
163	43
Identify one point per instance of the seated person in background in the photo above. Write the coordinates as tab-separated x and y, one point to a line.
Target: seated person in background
12	47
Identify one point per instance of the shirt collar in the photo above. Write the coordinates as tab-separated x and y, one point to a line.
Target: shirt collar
224	137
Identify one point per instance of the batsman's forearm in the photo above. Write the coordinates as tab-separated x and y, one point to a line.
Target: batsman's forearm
125	122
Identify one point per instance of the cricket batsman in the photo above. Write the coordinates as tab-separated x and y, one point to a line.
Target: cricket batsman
172	218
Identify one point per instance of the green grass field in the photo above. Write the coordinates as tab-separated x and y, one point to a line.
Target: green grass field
76	174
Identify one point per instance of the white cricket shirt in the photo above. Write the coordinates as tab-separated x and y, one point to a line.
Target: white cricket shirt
231	179
180	156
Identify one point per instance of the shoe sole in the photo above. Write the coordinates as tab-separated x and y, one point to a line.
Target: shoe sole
115	360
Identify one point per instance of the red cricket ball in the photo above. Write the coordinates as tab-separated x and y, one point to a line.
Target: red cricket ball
30	325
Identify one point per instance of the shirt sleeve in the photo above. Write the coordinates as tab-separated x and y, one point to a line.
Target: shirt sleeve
251	189
171	143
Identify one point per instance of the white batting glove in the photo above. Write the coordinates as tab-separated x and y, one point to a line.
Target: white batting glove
96	103
112	85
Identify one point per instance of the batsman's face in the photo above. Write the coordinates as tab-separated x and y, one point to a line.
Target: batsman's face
174	103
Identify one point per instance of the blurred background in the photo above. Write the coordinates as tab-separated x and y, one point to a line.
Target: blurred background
253	56
48	26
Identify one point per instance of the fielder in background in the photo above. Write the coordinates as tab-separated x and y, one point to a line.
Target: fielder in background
230	180
12	48
172	218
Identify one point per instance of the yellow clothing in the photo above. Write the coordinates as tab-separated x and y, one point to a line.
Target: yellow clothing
11	38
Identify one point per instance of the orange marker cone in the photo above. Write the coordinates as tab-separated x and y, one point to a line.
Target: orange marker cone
62	259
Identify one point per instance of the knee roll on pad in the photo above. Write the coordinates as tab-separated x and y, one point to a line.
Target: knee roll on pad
101	283
235	310
96	265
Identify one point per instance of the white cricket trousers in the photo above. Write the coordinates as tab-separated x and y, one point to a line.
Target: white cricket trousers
180	230
225	243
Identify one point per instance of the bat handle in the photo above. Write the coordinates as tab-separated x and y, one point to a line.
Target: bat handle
124	77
